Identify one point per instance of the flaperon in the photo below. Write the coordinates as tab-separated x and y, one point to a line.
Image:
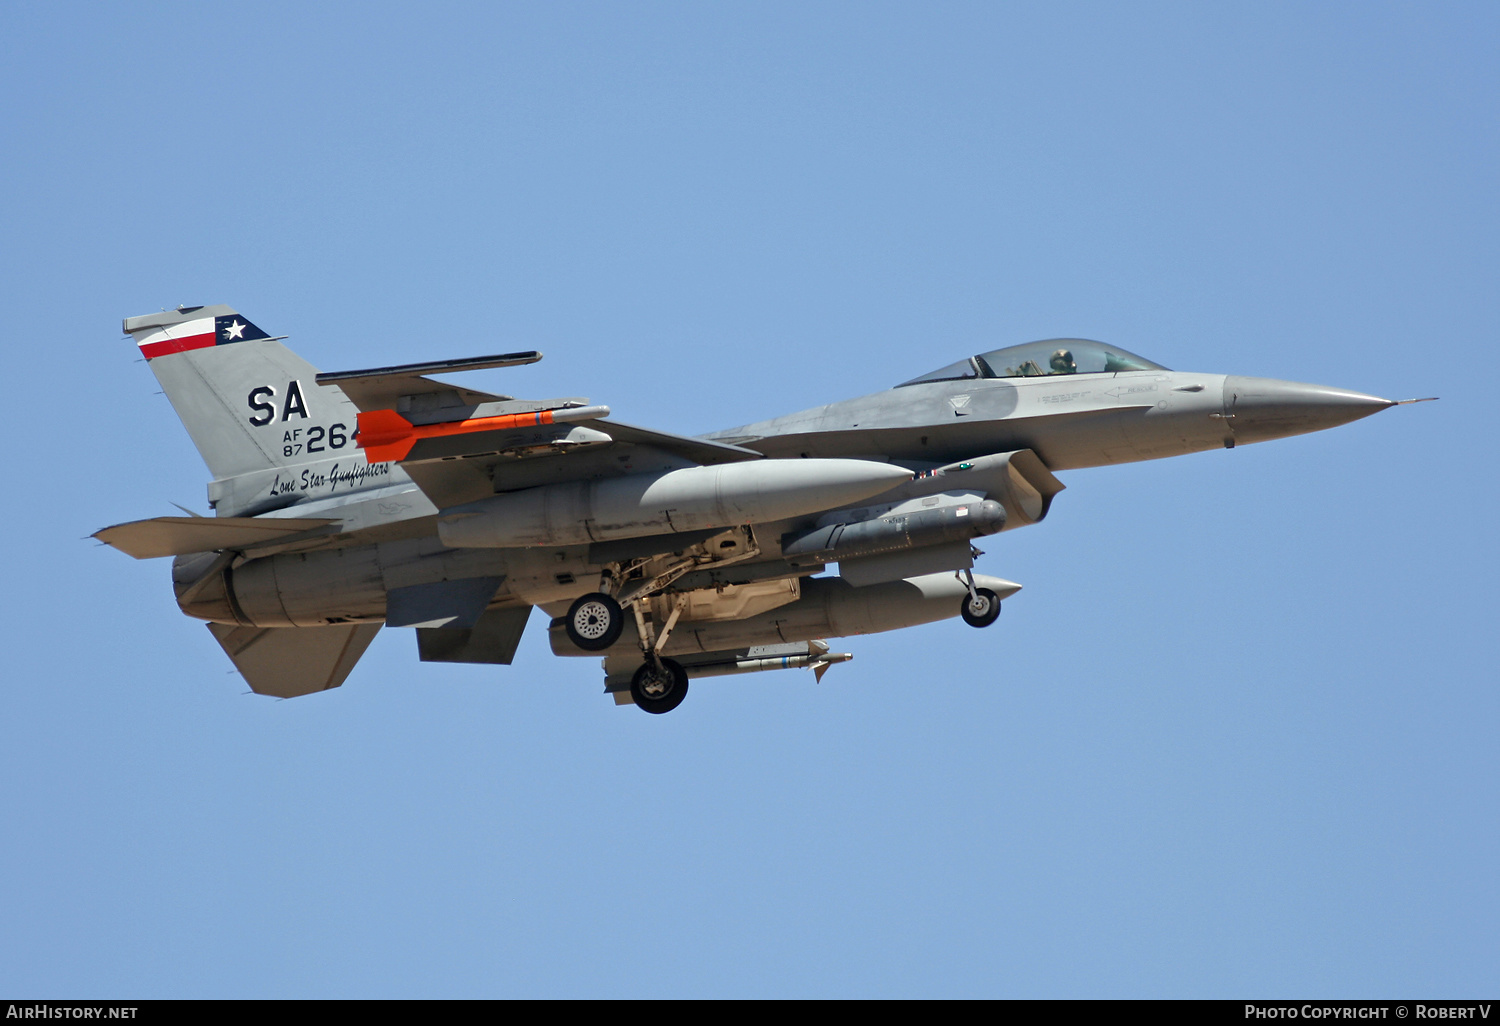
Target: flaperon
350	500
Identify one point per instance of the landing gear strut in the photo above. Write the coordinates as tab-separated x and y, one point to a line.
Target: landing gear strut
981	607
594	622
660	684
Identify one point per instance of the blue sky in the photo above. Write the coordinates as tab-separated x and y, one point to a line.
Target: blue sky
1235	737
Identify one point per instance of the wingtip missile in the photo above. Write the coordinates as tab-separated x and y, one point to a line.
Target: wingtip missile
822	663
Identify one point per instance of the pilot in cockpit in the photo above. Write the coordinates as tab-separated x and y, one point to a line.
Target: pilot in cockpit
1063	363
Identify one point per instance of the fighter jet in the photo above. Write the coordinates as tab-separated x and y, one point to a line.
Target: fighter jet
347	501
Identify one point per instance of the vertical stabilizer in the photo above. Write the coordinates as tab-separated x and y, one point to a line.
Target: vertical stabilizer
248	402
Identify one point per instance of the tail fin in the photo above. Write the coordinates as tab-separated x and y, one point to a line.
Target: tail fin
248	402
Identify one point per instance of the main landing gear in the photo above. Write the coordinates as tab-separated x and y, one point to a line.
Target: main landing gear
981	607
594	622
660	685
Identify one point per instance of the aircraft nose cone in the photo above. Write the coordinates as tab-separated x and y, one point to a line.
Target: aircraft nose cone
1263	408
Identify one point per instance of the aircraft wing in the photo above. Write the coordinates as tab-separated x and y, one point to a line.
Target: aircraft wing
696	450
382	388
466	468
459	445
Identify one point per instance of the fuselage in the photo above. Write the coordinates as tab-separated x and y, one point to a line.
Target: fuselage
1071	421
1070	418
358	499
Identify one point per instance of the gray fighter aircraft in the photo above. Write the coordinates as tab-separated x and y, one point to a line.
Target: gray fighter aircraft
350	500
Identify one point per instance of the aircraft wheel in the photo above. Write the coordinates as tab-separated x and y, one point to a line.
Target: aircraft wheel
981	610
594	622
658	692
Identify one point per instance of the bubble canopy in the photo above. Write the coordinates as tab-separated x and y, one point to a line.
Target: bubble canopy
1053	356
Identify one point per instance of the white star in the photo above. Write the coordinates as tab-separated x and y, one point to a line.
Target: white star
234	331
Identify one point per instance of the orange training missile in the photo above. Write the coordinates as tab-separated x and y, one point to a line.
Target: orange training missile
387	437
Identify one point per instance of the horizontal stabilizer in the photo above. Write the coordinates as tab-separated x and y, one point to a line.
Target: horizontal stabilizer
494	639
180	536
380	388
291	661
448	604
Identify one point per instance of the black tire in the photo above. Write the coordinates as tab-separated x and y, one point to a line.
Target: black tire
981	610
594	622
655	693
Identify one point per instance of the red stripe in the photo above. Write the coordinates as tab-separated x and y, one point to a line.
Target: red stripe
151	350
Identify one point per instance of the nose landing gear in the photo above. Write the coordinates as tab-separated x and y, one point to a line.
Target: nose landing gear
981	607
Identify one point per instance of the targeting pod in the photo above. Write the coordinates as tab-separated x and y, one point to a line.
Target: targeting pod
957	517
